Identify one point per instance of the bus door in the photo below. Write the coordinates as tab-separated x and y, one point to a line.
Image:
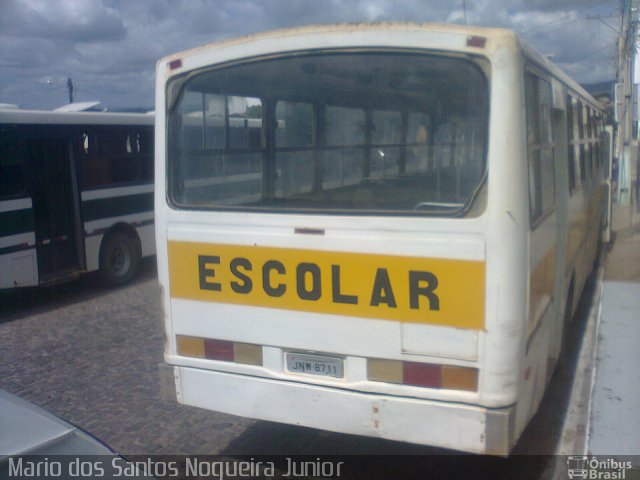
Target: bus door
55	206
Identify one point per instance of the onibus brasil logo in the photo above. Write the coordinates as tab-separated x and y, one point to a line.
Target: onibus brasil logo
596	468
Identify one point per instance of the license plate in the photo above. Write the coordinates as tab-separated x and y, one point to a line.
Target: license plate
315	365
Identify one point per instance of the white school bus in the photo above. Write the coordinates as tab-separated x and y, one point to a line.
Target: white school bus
374	229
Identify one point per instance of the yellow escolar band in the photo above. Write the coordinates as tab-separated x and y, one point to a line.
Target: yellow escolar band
405	289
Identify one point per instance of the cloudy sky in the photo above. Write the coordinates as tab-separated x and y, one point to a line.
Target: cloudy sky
109	47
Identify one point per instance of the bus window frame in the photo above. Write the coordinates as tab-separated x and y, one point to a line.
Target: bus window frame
175	89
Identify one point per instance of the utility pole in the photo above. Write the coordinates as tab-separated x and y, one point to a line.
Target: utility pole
70	88
627	140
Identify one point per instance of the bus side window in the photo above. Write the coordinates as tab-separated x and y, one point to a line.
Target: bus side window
12	181
119	147
570	145
599	133
128	161
590	143
576	140
114	156
95	168
145	153
539	147
582	137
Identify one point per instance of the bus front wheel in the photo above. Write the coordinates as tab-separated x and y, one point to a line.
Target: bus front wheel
119	259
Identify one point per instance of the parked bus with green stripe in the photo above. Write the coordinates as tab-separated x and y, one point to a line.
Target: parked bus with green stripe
76	195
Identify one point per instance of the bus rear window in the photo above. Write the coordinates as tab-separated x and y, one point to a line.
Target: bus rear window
368	132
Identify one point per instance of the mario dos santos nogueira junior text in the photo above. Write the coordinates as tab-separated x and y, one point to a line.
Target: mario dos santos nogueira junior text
109	467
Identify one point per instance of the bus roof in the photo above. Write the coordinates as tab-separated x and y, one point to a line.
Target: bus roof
45	117
282	40
339	28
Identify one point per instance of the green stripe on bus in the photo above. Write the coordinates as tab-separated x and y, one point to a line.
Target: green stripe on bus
117	206
16	221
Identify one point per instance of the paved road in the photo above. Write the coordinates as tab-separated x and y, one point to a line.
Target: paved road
90	355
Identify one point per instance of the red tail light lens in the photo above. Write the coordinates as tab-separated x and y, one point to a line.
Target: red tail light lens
475	41
175	64
218	350
421	374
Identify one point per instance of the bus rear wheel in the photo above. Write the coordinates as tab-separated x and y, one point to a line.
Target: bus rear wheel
119	259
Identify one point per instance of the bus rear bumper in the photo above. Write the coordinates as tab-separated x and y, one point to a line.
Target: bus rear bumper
449	425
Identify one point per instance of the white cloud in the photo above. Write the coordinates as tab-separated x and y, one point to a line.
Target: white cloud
75	20
109	47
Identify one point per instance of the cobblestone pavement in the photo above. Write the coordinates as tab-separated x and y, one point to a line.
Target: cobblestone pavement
90	355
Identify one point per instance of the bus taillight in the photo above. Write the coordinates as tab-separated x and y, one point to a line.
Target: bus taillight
422	374
222	350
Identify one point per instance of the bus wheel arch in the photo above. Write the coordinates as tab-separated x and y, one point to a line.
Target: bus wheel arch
120	255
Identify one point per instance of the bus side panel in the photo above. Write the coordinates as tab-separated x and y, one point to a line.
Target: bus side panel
543	253
533	380
92	251
546	241
130	207
19	269
507	240
147	236
18	263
